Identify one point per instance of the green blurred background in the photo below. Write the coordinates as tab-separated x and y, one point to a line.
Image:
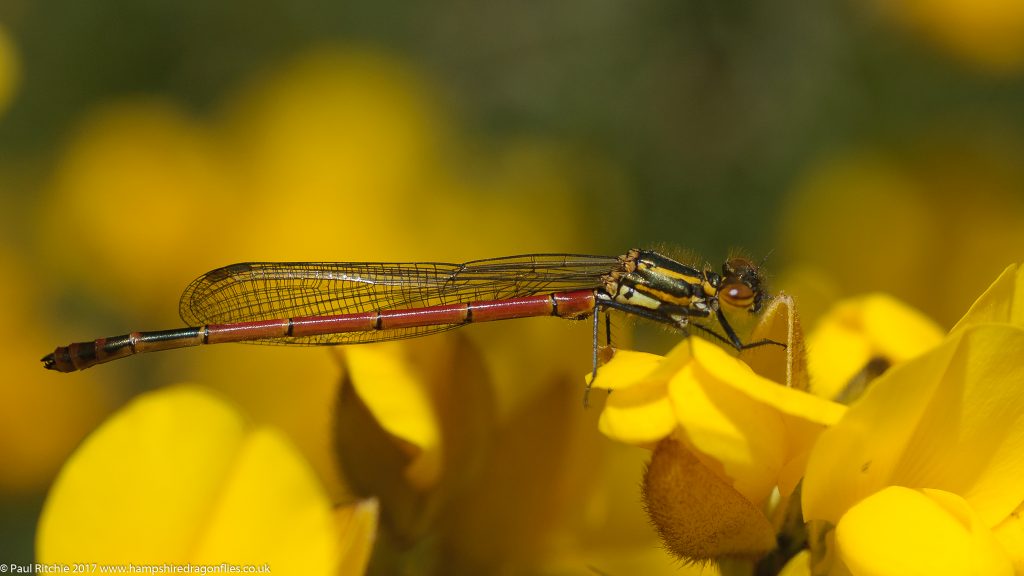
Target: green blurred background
864	146
709	112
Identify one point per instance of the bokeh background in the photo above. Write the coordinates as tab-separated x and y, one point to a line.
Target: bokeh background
858	146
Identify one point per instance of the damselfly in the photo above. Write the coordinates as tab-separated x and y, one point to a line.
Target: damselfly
349	303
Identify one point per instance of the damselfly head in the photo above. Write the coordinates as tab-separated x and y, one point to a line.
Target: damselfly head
741	285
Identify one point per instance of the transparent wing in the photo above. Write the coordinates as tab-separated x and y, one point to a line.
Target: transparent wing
270	290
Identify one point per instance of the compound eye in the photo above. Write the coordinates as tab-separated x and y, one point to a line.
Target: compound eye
737	295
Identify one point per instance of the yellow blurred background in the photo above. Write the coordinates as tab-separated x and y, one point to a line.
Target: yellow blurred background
856	146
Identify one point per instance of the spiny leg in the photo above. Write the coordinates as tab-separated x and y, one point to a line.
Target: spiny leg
593	374
608	337
733	339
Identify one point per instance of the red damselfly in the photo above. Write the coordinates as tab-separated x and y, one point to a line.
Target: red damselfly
347	303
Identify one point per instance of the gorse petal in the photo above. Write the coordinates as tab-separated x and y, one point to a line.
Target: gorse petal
754	427
860	330
952	419
408	408
626	369
292	525
905	532
639	411
142	486
357	526
177	476
397	397
1010	534
799	565
638	415
744	436
1002	302
729	371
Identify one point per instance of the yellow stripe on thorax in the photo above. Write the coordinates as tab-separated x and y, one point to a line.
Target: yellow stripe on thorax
669	273
662	296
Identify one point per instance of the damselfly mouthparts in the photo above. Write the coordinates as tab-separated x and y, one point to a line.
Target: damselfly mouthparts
348	303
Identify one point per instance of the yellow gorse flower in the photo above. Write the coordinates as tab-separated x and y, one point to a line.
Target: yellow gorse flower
725	438
923	474
178	477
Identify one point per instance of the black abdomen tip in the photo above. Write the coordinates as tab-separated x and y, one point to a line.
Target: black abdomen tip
59	360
